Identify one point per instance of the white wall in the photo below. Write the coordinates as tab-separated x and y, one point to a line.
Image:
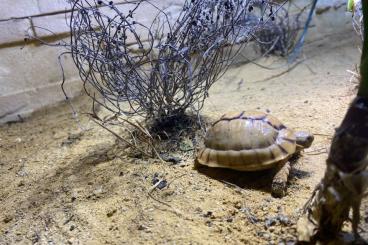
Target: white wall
30	75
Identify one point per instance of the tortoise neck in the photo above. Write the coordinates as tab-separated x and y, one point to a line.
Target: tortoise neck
299	148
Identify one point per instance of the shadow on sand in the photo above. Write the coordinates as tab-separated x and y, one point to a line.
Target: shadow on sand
257	180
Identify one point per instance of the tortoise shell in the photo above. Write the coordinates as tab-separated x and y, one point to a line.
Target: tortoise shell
247	142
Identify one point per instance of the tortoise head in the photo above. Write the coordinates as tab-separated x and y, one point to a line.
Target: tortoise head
304	139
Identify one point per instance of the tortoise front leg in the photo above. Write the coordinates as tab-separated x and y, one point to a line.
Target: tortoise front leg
280	179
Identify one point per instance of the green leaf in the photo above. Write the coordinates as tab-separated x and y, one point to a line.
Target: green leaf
350	5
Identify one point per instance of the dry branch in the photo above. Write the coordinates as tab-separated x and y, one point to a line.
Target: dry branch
170	67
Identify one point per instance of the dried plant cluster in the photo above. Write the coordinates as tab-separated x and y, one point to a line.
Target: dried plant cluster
280	34
163	69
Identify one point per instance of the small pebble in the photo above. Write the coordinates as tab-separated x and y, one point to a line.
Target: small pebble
210	215
266	236
142	227
168	158
270	222
251	217
98	191
7	219
162	184
238	205
284	220
111	213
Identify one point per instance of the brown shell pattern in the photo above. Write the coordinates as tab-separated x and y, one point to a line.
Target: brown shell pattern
247	142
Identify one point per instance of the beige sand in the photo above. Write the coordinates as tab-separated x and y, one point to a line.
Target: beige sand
60	186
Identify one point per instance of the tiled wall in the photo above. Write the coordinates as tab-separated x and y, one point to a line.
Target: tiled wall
30	75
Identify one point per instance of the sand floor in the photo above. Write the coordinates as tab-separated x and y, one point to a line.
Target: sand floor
60	184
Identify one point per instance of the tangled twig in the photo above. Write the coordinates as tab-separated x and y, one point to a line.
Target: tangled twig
161	70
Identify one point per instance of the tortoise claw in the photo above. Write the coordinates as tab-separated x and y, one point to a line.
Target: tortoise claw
278	189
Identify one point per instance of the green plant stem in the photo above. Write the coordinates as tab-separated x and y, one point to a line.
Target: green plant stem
363	88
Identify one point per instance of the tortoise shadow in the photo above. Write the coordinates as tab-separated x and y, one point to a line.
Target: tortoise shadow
257	180
299	174
295	172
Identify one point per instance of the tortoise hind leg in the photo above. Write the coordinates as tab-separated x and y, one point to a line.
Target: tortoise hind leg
280	180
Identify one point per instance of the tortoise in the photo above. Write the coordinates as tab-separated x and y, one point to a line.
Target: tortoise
253	141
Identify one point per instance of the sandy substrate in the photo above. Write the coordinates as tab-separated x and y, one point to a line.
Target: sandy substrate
60	184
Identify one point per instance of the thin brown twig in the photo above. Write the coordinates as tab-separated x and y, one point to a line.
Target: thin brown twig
168	185
121	138
320	134
281	73
318	151
152	189
143	130
241	190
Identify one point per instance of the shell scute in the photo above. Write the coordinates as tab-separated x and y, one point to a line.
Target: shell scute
255	115
264	156
274	122
232	115
212	157
248	156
